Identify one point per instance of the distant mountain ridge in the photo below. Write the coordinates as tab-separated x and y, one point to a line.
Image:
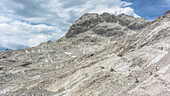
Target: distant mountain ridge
90	20
100	55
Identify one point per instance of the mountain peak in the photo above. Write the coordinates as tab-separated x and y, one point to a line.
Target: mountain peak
89	20
110	18
84	23
101	55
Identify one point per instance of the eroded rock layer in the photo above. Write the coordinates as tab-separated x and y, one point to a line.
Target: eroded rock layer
100	55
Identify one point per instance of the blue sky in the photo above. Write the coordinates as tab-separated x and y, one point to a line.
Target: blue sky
27	23
150	9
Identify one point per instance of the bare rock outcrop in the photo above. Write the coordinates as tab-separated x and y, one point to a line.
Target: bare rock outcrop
100	55
84	23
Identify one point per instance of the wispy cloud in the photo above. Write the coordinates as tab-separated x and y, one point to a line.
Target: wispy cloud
26	23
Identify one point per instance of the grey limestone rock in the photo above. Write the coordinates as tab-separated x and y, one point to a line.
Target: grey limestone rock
131	22
109	17
84	23
100	55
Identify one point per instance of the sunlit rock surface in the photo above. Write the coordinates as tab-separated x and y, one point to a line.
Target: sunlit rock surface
100	55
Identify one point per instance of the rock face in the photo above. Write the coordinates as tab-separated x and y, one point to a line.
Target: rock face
101	55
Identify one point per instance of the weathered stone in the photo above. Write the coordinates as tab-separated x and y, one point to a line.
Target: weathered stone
101	55
109	17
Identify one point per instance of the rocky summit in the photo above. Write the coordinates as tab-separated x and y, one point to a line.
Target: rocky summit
100	55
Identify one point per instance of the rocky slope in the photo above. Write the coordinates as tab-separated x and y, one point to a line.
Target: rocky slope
100	55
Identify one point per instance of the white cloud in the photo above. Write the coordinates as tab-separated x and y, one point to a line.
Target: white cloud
38	39
59	14
18	34
4	19
125	4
